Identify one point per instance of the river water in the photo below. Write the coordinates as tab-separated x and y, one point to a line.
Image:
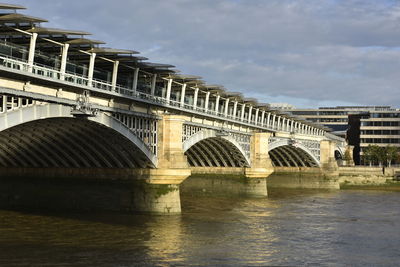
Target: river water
290	227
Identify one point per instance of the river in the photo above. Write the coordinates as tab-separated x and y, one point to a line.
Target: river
289	228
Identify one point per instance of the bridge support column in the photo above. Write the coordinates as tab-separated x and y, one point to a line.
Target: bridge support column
261	165
160	191
329	165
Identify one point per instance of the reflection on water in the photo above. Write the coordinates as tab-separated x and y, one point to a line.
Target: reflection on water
291	227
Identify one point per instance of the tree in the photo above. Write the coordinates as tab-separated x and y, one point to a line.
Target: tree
368	154
374	153
380	155
391	154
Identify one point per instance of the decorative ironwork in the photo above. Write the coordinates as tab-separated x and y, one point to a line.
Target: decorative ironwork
313	146
144	128
83	107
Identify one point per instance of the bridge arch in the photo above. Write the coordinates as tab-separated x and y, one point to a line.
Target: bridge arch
284	153
339	152
208	149
47	135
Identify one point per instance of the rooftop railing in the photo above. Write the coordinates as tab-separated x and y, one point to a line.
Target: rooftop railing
80	80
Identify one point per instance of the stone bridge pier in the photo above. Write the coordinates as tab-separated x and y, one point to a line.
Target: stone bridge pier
158	190
261	165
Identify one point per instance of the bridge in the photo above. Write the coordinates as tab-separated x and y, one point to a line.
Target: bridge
72	108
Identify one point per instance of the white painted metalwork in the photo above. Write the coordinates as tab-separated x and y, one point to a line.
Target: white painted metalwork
311	148
16	112
220	149
88	81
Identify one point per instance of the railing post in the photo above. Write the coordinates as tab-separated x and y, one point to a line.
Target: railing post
196	94
262	118
63	61
31	55
234	109
206	102
273	121
153	84
242	112
183	91
256	117
250	110
169	86
91	69
226	107
217	104
135	79
114	75
268	119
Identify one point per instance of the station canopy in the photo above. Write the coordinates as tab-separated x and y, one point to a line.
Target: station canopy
11	6
250	101
16	29
17	18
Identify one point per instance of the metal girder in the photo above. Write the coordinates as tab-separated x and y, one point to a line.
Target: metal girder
205	158
192	161
51	137
283	157
223	150
201	145
274	158
228	150
80	137
220	158
37	147
19	150
217	152
111	143
294	154
63	141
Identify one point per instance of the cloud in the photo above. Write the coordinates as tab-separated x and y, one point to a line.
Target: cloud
313	50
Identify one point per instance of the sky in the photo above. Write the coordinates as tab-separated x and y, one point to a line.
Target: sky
308	53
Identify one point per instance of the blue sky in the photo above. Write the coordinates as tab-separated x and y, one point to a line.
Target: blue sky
308	53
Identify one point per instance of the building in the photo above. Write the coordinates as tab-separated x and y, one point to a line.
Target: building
360	125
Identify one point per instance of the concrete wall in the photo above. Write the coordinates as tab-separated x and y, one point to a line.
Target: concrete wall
231	185
302	177
217	170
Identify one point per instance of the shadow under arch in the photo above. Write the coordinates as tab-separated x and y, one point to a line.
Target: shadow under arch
48	136
206	149
284	154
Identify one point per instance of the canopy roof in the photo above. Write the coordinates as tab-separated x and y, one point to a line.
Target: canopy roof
20	18
251	101
10	6
84	41
157	65
55	31
107	50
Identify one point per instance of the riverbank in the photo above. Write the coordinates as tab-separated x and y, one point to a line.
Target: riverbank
389	185
368	178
